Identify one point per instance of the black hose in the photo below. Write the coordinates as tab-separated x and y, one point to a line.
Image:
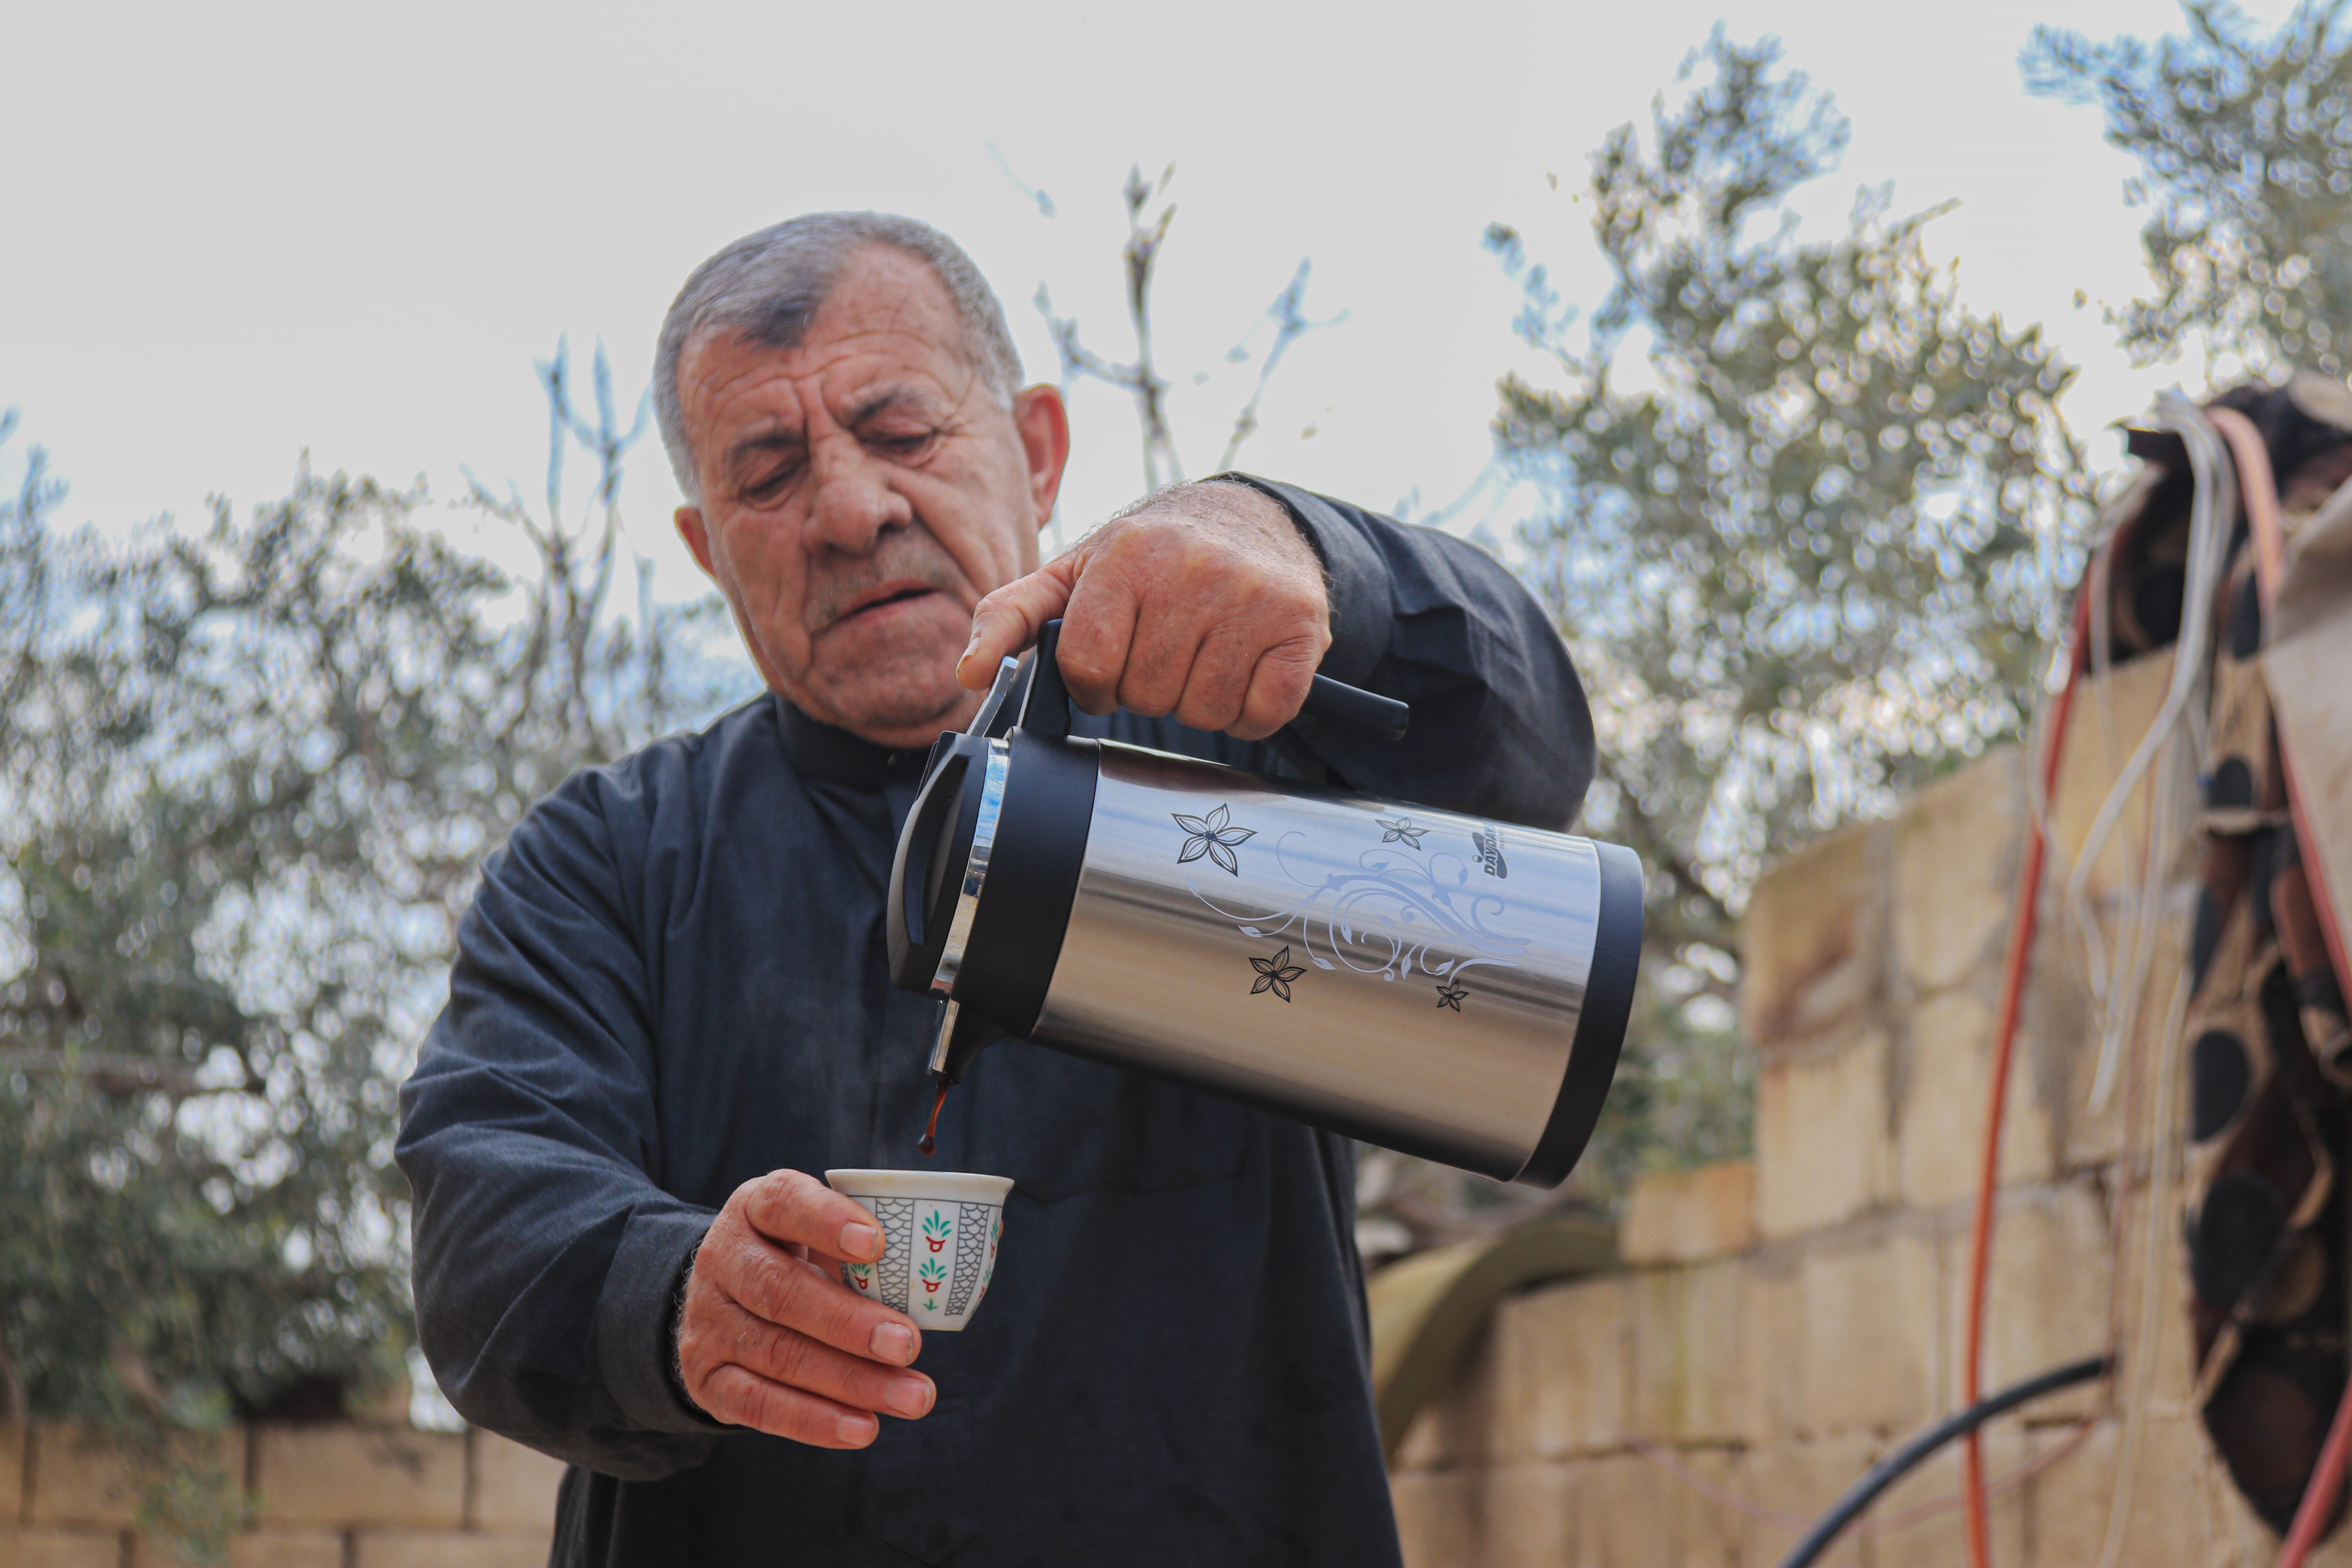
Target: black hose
1884	1473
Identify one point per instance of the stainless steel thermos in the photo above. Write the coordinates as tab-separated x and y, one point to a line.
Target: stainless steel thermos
1432	982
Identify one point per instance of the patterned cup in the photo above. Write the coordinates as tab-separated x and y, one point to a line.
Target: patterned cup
940	1230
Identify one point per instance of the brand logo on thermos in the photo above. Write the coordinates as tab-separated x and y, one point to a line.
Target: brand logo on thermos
1489	842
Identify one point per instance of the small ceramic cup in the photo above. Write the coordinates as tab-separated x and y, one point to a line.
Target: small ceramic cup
940	1231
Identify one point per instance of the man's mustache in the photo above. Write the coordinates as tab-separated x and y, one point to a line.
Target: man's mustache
911	556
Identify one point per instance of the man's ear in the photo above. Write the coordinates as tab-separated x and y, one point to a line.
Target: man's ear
691	529
1044	421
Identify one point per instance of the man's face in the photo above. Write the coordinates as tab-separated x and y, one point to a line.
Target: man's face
861	492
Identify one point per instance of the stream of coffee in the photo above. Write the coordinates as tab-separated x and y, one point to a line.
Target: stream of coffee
931	1139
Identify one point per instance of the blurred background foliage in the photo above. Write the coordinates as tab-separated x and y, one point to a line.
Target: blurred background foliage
246	775
1801	513
2244	142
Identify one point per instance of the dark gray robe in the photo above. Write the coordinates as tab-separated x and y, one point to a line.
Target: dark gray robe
672	980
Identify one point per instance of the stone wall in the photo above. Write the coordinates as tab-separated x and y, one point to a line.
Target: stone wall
1778	1325
324	1496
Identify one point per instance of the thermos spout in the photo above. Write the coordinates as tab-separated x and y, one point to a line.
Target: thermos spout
963	1035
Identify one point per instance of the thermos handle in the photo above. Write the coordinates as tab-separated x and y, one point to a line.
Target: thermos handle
1046	711
1358	709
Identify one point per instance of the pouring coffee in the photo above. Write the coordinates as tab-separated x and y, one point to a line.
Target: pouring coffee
1432	982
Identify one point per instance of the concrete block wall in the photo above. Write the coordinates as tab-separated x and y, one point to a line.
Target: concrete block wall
321	1496
1778	1325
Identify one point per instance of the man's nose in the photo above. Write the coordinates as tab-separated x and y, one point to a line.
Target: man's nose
854	502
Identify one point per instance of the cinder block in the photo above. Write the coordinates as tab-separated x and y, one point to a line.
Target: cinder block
1707	1531
2067	1503
260	1549
1629	1513
1872	1334
1420	1447
2167	1517
2110	717
1956	863
1689	1380
1940	1539
1795	1481
1437	1518
449	1549
1528	1515
1510	1392
1805	941
60	1548
11	1471
1573	1353
2047	1301
1771	1341
1946	1075
1684	1217
347	1476
77	1477
513	1487
1458	1425
1823	1154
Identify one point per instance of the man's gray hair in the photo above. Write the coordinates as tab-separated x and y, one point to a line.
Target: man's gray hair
769	286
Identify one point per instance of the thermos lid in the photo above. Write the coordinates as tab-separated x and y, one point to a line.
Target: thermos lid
1600	1022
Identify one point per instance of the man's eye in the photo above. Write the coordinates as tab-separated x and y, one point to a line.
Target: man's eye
905	445
767	486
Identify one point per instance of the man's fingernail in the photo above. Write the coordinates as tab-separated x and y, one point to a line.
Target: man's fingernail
910	1396
860	1240
857	1431
893	1342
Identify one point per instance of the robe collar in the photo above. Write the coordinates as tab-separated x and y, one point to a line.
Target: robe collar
824	753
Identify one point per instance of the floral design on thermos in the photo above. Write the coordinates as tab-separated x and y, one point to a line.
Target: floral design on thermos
1402	913
1213	835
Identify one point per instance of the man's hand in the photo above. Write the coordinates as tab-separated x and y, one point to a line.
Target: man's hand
769	1338
1204	602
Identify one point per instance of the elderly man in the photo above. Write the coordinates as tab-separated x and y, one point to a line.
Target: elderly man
671	999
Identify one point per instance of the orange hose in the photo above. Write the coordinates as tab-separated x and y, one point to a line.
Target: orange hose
2012	996
2260	488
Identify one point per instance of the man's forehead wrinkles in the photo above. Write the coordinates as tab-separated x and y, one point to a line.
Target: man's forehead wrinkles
864	356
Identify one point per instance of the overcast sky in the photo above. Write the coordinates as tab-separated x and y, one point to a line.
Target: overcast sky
232	233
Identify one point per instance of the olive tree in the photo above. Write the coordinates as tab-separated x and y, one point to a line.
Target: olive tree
1803	513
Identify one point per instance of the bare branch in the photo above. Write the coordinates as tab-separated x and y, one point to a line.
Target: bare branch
1290	324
